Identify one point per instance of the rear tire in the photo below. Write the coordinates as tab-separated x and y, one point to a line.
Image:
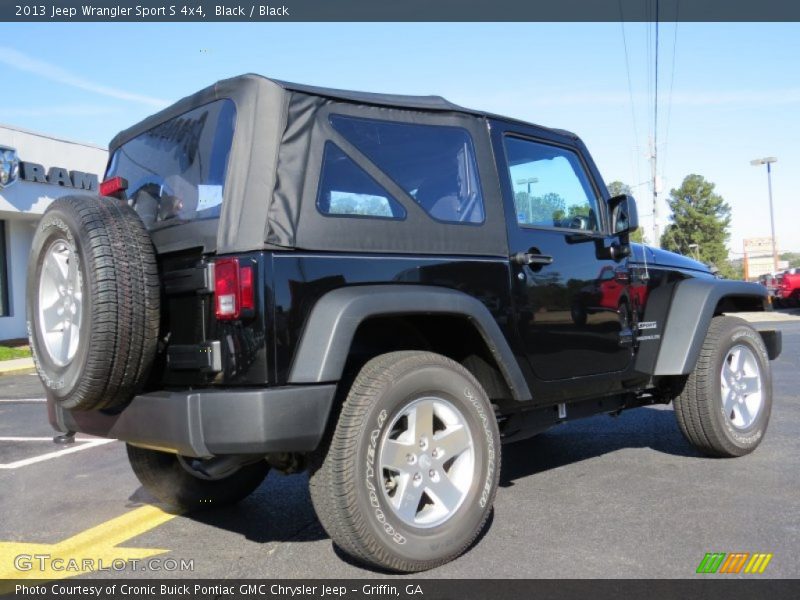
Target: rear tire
724	406
408	480
92	302
579	315
171	480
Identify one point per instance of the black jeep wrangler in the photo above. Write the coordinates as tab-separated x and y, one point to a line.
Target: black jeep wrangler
380	289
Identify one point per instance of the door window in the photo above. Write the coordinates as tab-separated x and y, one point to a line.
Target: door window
551	188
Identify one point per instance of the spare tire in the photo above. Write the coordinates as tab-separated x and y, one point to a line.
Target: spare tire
92	302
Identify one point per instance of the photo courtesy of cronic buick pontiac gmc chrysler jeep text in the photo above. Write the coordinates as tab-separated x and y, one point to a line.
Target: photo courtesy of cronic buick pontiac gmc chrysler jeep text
379	289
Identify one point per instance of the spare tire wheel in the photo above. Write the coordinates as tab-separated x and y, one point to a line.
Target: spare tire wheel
92	302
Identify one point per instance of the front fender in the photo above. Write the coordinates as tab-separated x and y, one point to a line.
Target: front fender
329	330
692	306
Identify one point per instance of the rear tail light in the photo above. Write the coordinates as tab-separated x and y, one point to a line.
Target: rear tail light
246	287
234	289
114	187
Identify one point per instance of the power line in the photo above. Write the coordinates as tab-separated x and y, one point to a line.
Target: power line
636	171
654	156
671	85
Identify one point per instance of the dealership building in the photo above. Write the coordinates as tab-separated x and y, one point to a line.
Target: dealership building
35	169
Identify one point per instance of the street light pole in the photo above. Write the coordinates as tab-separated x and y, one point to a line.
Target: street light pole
768	160
529	181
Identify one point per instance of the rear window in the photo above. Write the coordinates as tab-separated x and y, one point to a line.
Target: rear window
434	164
176	171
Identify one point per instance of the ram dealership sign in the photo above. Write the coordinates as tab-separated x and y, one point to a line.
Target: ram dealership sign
12	169
9	166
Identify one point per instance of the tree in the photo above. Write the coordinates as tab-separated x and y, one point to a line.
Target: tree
701	217
543	210
793	258
617	188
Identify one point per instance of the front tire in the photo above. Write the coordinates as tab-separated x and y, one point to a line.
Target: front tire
724	407
408	480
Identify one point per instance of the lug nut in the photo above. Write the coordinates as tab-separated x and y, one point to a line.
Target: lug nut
435	453
411	459
417	477
431	473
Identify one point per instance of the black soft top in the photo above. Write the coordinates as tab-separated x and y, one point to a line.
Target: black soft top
271	183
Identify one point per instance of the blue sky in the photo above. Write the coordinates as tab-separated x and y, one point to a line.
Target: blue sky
734	96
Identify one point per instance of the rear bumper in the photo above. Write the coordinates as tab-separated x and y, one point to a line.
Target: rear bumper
202	423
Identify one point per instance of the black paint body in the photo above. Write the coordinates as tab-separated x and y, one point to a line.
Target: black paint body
564	357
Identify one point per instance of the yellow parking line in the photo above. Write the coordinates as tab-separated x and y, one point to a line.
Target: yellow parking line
84	552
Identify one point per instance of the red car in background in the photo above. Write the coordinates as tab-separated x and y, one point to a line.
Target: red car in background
788	290
612	290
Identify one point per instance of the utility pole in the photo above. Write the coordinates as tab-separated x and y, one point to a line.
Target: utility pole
768	161
654	177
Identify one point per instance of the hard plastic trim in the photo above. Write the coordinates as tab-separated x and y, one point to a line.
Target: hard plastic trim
691	310
203	423
331	326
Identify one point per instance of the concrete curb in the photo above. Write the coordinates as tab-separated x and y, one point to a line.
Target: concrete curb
16	365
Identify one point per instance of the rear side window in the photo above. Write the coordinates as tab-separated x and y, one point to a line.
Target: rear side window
433	164
345	189
176	171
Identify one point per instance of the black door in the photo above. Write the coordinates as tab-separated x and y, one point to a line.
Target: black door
570	301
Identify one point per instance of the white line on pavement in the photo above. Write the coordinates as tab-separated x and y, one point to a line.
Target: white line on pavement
36	459
11	400
39	439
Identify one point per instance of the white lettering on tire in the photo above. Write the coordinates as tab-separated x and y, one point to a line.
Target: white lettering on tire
372	490
487	486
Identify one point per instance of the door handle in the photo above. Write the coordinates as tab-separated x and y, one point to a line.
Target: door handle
529	258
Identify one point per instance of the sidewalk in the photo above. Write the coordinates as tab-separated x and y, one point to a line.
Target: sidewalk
16	365
765	316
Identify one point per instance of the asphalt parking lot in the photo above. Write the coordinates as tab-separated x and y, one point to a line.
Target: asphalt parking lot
605	497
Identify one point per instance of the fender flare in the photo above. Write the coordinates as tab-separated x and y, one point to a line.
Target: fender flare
332	324
692	307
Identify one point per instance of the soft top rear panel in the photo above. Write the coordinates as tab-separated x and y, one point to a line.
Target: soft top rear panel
271	185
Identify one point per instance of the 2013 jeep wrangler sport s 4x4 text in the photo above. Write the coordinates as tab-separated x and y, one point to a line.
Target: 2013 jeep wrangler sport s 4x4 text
379	289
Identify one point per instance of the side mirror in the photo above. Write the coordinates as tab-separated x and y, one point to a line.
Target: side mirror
624	216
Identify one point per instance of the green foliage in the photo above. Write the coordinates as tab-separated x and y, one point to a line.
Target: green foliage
579	210
617	188
542	210
699	216
792	257
734	269
11	352
638	236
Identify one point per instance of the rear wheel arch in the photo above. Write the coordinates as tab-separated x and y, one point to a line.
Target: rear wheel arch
450	335
347	317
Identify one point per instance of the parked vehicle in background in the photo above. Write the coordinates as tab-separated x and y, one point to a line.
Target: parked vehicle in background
769	281
788	289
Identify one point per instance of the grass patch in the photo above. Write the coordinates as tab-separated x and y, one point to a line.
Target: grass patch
10	352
